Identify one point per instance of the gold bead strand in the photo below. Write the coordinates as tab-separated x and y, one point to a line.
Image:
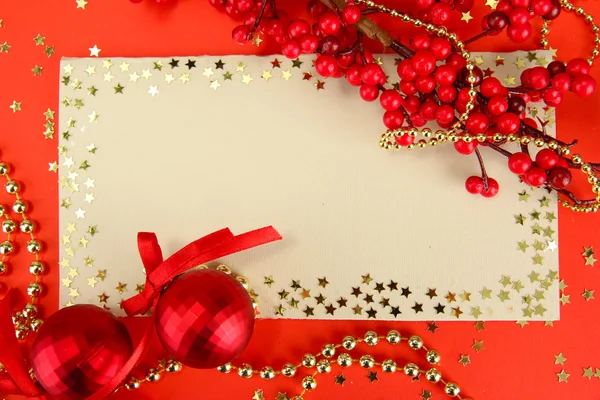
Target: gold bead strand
153	374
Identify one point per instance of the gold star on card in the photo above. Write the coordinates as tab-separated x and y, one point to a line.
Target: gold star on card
588	373
537	259
94	51
240	67
548	231
185	77
541	61
268	281
522	246
588	251
214	85
366	279
478	60
590	260
323	282
510	80
37	70
478	345
66	282
81	4
286	75
92	282
4	47
15	106
296	63
466	17
480	326
256	41
49	51
158	65
520	219
522	324
153	91
544	202
83	242
39	40
520	63
74	292
121	287
503	295
563	376
491	4
464	360
266	75
92	229
169	78
564	299
227	76
588	294
247	79
208	72
485	293
91	70
475	312
530	56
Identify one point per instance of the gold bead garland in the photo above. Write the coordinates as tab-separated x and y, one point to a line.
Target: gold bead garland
27	320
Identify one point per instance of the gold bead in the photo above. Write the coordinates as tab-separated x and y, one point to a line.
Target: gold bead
415	342
6	248
328	351
8	226
323	366
595	28
413	131
34	289
309	360
309	383
27	226
433	375
411	369
30	311
433	357
173	366
393	337
19	207
544	42
2	210
595	52
12	187
586	168
452	389
267	373
36	268
388	366
243	281
3	268
544	30
470	66
34	247
579	10
224	268
538	142
565	150
3	169
349	343
35	325
224	368
467	138
1	367
452	37
426	133
592	179
576	159
421	143
132	384
512	137
288	370
245	371
366	361
22	332
596	189
371	338
344	360
18	318
553	145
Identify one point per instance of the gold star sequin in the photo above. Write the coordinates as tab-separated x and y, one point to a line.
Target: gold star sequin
121	288
279	310
37	70
366	279
214	85
339	380
53	167
588	373
208	72
266	75
92	282
240	67
492	4
537	259
520	219
503	295
564	299
588	294
432	327
94	51
258	395
478	345
83	242
541	61
475	312
357	310
81	4
425	395
66	282
588	251
247	79
305	294
153	91
465	296
478	60
227	76
268	280
520	63
92	90
450	297
73	273
480	326
538	246
102	275
287	74
74	292
139	288
124	67
256	41
296	63
590	260
169	78
563	376
15	106
510	80
464	360
505	281
523	196
4	47
88	261
530	56
39	40
522	323
158	65
522	246
103	298
323	282
466	17
551	245
548	231
485	293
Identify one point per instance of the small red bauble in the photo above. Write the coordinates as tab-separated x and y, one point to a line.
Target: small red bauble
546	159
353	75
465	148
493	188
78	350
369	92
309	43
298	28
326	65
447	93
291	49
535	176
497	20
561	81
541	7
330	23
204	318
423	62
498	105
559	177
539	78
372	74
405	71
583	85
578	66
393	119
474	185
440	13
519	33
425	83
508	123
444	114
477	122
440	48
427	110
421	41
519	163
491	87
445	75
390	100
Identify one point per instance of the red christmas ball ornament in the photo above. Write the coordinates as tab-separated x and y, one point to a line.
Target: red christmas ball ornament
204	318
78	350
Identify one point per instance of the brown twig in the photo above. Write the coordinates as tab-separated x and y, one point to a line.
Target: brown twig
484	174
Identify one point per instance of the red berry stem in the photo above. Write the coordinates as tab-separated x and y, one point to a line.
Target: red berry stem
259	17
571	196
401	50
484	174
478	36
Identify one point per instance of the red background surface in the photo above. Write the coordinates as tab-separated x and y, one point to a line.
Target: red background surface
517	362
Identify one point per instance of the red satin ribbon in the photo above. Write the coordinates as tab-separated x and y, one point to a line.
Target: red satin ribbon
158	274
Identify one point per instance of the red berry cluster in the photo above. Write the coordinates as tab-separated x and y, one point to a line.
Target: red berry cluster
439	12
516	16
547	168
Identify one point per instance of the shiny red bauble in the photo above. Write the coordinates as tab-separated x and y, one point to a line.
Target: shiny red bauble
204	318
78	350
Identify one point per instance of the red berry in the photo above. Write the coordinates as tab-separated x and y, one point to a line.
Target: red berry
445	75
315	8
508	123
408	88
329	23
412	104
421	41
539	78
345	60
405	140
463	95
519	163
531	122
390	100
444	114
291	49
428	109
477	122
372	74
240	34
440	48
423	62
520	3
463	5
554	11
351	14
497	20
556	67
519	33
417	120
326	65
493	188
424	4
578	66
541	7
393	119
329	44
465	148
474	185
425	83
552	97
583	85
298	28
519	16
353	75
491	87
456	62
497	105
440	13
243	6
276	28
447	94
516	105
546	159
559	177
504	6
535	176
309	43
406	71
561	81
369	92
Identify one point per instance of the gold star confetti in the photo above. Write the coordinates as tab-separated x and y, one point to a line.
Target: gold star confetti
266	75
184	78
475	312
520	219
465	296
91	70
258	395
94	51
588	294
15	106
464	360
296	63
323	282
66	282
146	74
102	275
208	72
520	63
588	373
305	294
456	312
37	70
522	246
124	66
89	183
466	17
39	40
485	293
53	167
92	282
121	287
537	259
563	376
492	4
478	345
268	281
523	196
227	76
247	79
89	262
588	251
450	297
214	85
432	327
139	288
153	90
74	292
478	60
551	245
93	116
590	260
480	326
4	47
340	379
366	279
510	80
286	75
564	299
530	56
169	78
544	202
158	65
134	77
240	67
541	61
81	4
548	231
425	395
504	295
108	77
256	41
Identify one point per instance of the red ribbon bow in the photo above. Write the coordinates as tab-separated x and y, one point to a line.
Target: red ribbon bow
159	273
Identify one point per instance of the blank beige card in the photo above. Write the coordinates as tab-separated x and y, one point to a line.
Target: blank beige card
185	146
